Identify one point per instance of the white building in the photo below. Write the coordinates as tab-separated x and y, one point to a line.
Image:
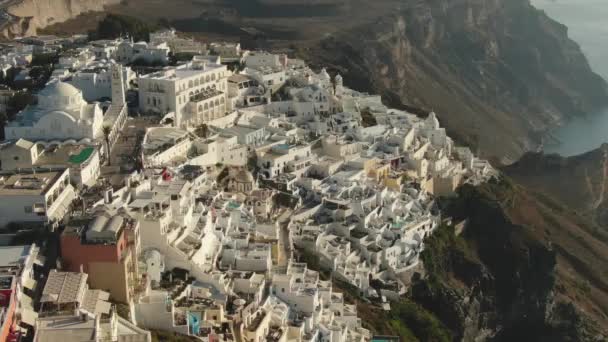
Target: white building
228	51
128	52
195	92
37	198
177	44
95	82
220	149
284	158
163	146
262	59
247	135
82	160
61	114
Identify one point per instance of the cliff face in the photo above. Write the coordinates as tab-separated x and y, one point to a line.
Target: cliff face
497	72
582	179
30	15
522	270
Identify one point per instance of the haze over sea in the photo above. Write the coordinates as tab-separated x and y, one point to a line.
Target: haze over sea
587	25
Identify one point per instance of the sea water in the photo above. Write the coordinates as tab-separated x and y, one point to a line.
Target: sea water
588	26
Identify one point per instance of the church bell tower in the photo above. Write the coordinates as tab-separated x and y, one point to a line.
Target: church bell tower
118	85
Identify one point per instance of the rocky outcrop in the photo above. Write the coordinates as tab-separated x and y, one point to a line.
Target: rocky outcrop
498	72
25	17
520	271
582	179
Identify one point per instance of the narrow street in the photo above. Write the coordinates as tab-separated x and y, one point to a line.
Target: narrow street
285	248
124	155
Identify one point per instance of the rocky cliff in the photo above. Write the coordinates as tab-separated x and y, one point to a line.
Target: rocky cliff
524	269
25	17
497	72
582	180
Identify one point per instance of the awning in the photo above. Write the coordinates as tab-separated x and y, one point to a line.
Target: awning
29	317
26	302
29	283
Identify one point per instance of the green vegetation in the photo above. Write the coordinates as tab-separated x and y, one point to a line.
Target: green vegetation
114	26
142	62
443	249
44	59
181	57
409	319
406	319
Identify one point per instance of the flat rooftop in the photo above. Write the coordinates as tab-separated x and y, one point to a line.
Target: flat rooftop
65	328
28	184
157	137
69	155
182	72
240	129
12	256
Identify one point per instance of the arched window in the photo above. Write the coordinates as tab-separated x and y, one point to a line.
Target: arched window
200	108
217	102
206	106
207	79
196	82
211	104
222	100
202	79
213	77
190	84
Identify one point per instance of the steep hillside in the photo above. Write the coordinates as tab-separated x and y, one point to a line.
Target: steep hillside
580	182
525	269
25	17
497	72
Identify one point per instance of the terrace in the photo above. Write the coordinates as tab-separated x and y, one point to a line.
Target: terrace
257	320
205	95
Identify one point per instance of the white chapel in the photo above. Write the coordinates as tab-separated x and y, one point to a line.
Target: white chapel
60	114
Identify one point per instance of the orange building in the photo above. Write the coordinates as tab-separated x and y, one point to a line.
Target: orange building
16	275
106	247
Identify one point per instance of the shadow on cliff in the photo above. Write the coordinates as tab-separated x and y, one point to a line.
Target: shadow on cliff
505	278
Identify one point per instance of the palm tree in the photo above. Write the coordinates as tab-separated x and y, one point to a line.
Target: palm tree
106	134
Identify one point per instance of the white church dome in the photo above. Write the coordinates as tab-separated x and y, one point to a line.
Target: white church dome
59	89
59	96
